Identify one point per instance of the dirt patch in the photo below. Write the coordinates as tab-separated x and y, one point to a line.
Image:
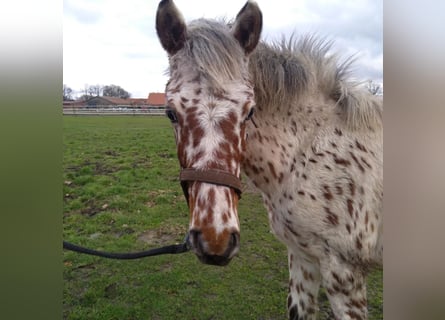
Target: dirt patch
101	168
97	167
163	235
162	196
165	155
111	153
92	208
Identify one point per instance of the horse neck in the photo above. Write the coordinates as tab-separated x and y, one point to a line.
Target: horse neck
285	128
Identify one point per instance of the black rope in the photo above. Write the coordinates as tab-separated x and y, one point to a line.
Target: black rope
171	249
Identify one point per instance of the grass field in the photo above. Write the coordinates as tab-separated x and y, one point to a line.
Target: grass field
122	193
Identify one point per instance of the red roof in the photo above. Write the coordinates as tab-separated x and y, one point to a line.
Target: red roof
138	101
156	99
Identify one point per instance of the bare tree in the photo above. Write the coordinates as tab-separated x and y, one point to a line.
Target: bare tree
374	88
98	89
86	91
91	90
115	91
67	93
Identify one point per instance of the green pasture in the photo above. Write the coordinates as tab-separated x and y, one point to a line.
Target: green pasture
122	193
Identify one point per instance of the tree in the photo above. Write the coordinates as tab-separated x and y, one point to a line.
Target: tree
67	93
97	89
115	91
374	88
84	97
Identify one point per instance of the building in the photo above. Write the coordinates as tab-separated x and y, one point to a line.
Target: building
156	100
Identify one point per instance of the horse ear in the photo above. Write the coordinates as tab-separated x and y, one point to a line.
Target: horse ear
170	27
247	26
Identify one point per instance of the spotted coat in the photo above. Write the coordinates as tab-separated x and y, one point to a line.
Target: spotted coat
313	149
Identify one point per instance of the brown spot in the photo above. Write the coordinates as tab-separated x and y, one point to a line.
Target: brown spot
289	300
350	207
295	233
312	160
312	197
328	167
339	190
197	135
352	188
360	146
304	176
354	315
327	193
293	313
302	305
300	192
307	275
281	178
365	162
176	89
303	244
332	217
341	161
337	278
359	165
272	169
356	303
311	297
358	243
330	291
255	169
338	132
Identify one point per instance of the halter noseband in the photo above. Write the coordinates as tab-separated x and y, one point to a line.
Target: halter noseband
213	176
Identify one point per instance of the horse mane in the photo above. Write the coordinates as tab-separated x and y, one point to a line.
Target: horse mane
290	70
281	72
214	52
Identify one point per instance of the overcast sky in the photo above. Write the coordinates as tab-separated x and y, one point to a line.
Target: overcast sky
114	42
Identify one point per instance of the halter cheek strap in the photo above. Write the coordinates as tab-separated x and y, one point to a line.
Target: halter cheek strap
213	176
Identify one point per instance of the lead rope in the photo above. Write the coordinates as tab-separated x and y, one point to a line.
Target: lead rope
171	249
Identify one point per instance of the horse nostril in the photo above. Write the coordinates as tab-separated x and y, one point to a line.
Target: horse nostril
195	241
234	239
233	247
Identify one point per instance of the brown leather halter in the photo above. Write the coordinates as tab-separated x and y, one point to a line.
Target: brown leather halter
213	176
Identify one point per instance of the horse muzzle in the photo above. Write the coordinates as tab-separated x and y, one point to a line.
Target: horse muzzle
208	252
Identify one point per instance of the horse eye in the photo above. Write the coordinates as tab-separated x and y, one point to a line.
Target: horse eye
171	114
250	115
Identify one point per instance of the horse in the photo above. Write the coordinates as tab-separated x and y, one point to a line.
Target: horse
308	137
